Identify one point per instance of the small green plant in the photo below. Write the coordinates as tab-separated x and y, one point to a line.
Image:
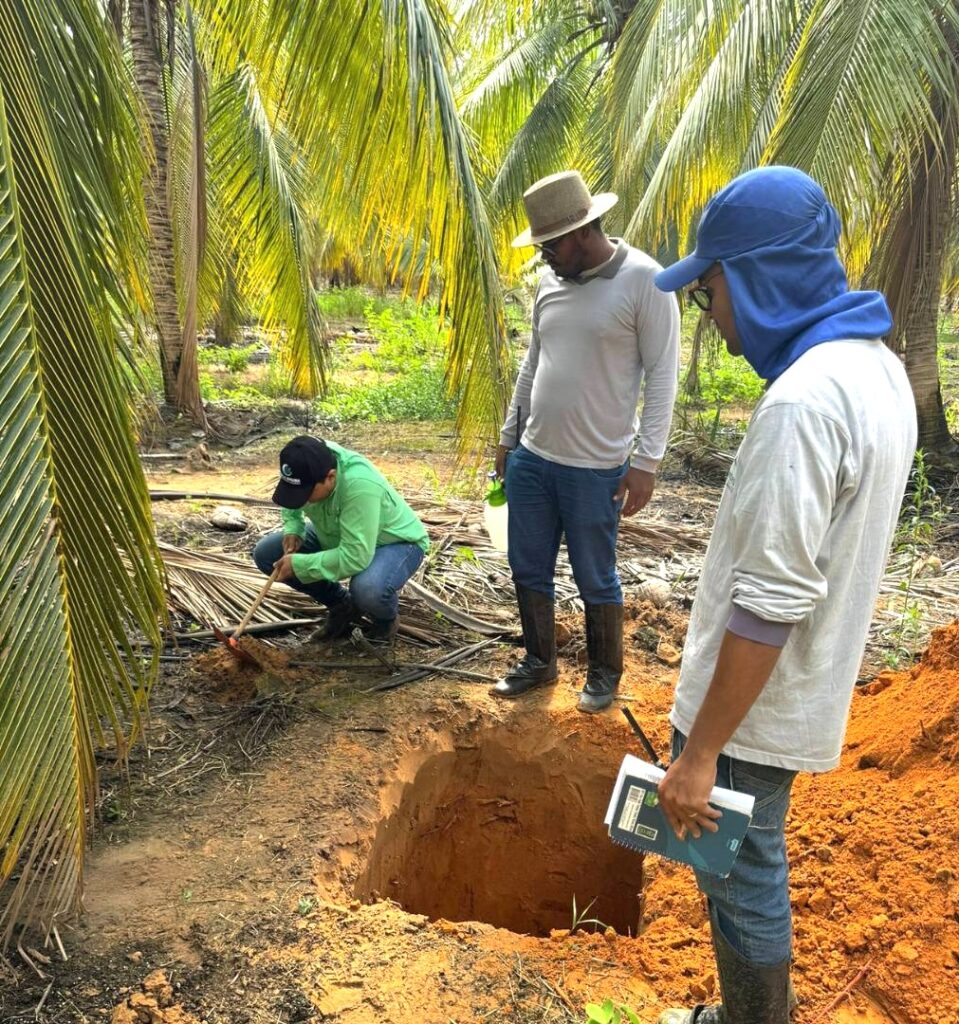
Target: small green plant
725	380
915	534
232	358
579	919
304	905
351	303
417	395
608	1012
464	554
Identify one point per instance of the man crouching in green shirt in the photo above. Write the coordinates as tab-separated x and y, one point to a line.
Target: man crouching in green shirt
342	520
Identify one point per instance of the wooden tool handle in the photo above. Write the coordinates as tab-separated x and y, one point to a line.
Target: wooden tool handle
256	603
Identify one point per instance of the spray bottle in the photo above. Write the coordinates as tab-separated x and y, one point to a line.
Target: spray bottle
496	513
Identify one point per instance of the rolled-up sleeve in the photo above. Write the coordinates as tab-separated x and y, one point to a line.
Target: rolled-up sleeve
789	474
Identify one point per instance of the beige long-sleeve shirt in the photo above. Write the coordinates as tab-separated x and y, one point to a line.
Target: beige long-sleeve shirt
597	339
802	535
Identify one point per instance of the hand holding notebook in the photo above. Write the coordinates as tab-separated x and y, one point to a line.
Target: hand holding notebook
636	820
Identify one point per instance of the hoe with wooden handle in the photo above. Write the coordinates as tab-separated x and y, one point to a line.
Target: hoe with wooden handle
231	641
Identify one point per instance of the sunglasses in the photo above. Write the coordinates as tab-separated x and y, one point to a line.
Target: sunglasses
703	295
549	248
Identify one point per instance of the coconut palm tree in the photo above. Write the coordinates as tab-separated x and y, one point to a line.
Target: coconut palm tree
362	89
860	93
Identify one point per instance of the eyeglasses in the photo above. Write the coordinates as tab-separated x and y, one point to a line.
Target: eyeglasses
703	295
549	248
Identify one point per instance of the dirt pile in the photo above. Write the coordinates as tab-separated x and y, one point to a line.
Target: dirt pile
152	1004
227	679
913	717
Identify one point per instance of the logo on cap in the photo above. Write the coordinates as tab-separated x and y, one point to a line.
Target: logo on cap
286	470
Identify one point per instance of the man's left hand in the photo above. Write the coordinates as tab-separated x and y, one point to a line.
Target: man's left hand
285	566
684	796
635	490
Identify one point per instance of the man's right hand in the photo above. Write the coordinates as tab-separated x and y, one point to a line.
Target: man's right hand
501	452
291	543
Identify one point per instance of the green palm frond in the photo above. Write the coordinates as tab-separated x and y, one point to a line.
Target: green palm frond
546	141
862	72
78	564
379	116
686	97
260	179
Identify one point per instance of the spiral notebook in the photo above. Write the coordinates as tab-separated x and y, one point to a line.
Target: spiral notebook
636	820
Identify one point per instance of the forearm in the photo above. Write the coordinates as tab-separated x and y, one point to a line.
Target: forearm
742	670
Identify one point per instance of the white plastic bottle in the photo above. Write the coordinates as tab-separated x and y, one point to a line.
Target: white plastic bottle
496	514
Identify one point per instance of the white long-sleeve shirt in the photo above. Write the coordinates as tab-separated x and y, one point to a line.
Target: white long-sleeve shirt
802	534
595	339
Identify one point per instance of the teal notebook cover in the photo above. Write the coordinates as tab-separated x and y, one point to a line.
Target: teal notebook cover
636	820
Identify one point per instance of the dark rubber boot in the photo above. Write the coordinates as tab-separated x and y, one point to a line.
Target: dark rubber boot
604	652
751	993
383	631
340	619
538	666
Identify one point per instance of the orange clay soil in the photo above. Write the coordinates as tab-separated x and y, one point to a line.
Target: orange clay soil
416	859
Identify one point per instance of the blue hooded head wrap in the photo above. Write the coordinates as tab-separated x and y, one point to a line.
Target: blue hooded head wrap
775	235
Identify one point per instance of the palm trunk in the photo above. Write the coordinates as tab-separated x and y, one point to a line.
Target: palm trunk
181	387
911	270
920	330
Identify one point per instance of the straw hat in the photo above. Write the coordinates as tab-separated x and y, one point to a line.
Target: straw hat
560	203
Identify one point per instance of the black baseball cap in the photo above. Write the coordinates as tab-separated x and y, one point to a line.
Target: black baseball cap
304	462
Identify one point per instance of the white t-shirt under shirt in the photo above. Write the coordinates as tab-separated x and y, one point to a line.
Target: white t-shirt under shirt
595	338
801	536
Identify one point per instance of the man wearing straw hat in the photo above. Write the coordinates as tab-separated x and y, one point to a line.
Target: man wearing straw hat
580	456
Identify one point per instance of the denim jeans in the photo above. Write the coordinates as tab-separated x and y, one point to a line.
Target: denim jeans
375	590
546	501
752	904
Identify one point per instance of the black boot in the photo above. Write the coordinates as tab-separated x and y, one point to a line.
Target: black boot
383	631
340	618
751	993
538	666
604	653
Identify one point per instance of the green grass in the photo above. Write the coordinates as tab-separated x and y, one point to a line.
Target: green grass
352	303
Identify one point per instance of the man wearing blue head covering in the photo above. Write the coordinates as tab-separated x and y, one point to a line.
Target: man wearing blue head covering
801	537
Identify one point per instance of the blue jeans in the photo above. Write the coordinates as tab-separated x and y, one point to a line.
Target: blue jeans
375	590
547	500
752	904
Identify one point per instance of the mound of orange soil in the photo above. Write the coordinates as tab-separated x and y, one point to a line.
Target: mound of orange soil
152	1003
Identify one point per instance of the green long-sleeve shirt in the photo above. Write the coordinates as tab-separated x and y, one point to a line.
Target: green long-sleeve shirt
363	513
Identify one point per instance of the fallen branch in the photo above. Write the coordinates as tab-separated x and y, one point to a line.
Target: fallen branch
464	619
244	499
437	666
